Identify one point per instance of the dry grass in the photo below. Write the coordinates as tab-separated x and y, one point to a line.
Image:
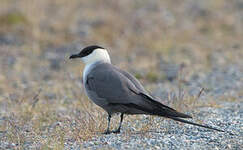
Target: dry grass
45	106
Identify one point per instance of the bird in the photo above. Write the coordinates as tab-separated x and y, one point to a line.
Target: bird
118	91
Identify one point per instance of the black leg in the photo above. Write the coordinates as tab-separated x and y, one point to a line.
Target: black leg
119	128
108	127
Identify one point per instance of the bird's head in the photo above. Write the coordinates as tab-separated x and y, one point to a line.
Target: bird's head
92	54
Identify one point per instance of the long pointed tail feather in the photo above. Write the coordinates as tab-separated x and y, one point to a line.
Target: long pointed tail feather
192	123
164	111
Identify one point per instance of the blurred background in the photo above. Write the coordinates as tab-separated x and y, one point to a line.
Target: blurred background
174	47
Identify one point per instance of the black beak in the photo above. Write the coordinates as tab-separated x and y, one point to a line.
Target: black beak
75	56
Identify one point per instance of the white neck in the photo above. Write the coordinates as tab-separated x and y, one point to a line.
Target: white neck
97	55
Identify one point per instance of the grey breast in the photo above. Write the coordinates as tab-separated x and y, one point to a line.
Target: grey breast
91	72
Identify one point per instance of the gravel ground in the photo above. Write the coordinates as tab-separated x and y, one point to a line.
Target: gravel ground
168	134
197	41
223	85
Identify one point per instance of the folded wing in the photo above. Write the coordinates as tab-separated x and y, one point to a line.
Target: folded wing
124	92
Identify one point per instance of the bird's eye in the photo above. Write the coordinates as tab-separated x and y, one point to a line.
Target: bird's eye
85	52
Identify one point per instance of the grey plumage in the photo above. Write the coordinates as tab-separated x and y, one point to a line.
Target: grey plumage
117	91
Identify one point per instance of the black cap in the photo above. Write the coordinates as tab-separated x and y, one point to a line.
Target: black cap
85	52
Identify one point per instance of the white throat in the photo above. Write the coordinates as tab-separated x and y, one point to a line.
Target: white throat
96	56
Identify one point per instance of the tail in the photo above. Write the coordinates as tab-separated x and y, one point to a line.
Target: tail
192	123
165	111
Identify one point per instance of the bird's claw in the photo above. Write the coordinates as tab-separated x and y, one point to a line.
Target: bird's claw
107	132
114	131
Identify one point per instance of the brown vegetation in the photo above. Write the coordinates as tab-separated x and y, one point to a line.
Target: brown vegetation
42	102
